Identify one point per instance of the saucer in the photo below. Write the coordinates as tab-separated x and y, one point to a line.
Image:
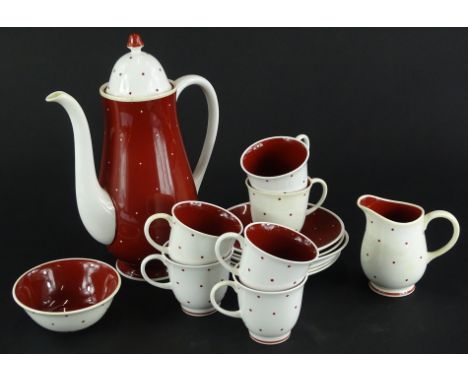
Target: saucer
322	226
327	261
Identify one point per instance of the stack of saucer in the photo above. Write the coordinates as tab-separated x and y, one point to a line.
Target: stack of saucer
322	226
279	186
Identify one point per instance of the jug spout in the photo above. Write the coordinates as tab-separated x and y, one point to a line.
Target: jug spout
94	204
390	210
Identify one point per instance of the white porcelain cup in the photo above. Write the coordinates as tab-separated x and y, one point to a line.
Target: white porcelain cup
286	208
273	257
191	284
277	163
269	316
195	227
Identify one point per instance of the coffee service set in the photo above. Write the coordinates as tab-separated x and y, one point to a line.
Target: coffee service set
145	201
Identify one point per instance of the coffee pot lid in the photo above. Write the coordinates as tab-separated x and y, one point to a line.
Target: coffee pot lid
137	74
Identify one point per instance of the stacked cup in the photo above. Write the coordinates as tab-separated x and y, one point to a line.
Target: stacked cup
275	257
278	181
269	278
189	255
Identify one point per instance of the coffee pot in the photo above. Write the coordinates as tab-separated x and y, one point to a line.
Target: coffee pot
144	167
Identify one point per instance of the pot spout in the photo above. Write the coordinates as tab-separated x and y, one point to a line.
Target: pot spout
95	206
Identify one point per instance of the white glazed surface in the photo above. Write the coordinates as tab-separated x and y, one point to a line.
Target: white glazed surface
191	285
95	206
394	255
292	181
289	209
69	321
137	74
269	316
186	245
260	270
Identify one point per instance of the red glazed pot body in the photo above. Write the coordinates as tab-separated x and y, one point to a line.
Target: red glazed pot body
145	170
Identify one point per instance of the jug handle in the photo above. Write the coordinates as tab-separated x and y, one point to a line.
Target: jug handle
456	232
213	119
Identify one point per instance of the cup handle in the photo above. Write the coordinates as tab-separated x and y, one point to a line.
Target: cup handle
145	261
456	232
230	313
149	221
322	198
304	139
219	255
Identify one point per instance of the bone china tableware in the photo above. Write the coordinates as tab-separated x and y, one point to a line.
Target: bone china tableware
277	163
273	257
144	167
191	284
269	316
67	295
322	226
195	227
286	208
394	253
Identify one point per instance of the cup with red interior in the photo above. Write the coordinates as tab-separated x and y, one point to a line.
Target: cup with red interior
277	164
274	257
195	227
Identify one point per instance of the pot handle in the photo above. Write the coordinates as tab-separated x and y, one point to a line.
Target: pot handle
322	198
213	119
221	256
456	232
146	260
151	219
230	313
